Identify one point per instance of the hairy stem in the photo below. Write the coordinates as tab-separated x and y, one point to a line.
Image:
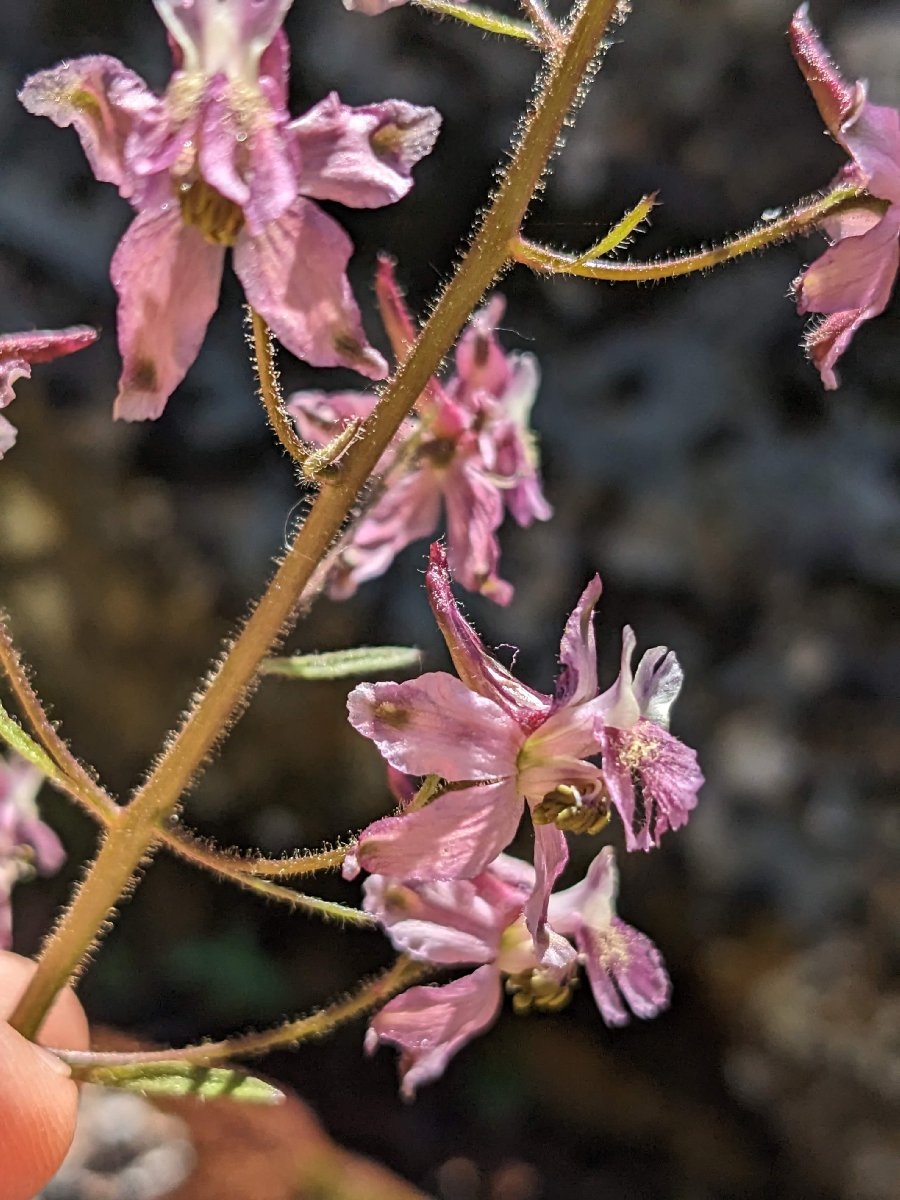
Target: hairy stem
485	19
799	220
369	996
270	390
73	776
228	688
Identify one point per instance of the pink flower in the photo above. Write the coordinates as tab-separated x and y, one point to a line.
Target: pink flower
468	448
462	922
17	353
503	743
853	280
479	923
653	778
26	843
217	162
625	969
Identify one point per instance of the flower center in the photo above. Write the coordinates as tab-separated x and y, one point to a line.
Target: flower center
566	808
219	220
537	989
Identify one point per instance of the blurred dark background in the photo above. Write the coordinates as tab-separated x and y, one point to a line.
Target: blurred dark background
736	511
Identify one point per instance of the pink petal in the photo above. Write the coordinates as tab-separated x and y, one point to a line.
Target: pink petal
626	971
480	361
362	157
430	1024
320	416
653	780
19	350
451	921
826	342
474	513
434	725
478	669
409	509
246	157
49	852
395	316
102	99
508	445
657	684
454	837
373	8
551	853
44	345
836	99
167	277
873	138
294	275
7	430
855	273
577	679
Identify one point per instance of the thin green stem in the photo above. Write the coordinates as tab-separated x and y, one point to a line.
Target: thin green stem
485	19
804	217
369	996
236	870
227	689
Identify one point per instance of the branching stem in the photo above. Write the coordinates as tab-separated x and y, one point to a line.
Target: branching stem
227	690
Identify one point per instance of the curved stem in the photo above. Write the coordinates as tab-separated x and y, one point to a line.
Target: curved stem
226	692
800	220
270	390
371	995
72	776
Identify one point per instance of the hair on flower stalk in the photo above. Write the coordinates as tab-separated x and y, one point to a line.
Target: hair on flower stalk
217	162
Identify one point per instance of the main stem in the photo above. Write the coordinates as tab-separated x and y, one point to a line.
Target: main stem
131	839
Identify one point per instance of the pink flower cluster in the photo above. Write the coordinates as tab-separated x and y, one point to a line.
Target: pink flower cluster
502	748
26	843
217	162
853	280
467	447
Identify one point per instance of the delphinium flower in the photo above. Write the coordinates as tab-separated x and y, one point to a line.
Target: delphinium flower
853	280
18	351
217	162
479	923
468	447
26	843
500	745
505	745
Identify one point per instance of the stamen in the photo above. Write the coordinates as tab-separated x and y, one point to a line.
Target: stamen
219	219
565	808
535	989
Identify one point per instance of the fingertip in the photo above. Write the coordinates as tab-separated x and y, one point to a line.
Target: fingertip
38	1108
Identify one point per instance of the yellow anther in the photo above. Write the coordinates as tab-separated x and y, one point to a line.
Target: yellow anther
535	989
565	808
219	219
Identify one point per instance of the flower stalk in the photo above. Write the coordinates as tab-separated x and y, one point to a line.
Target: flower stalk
802	219
130	841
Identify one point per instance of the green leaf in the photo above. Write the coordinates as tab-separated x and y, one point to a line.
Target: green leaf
17	739
180	1078
343	664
